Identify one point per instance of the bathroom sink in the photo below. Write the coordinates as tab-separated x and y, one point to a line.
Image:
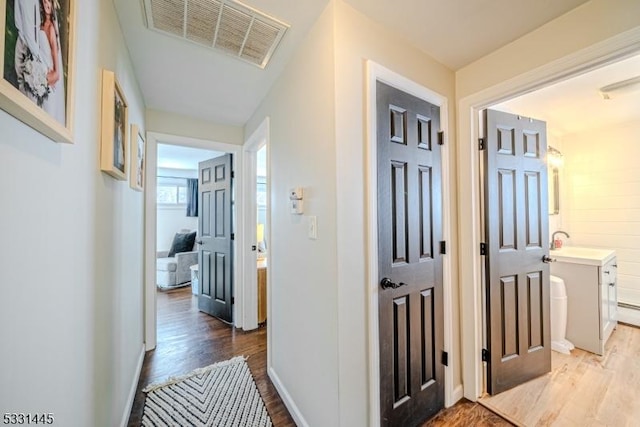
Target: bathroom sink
581	255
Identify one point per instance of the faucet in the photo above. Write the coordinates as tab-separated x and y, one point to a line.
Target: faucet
553	238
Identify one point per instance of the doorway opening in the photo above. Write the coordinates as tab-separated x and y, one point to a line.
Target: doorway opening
257	228
592	138
156	181
575	64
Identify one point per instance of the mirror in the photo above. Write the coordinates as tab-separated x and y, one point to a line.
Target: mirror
554	191
554	161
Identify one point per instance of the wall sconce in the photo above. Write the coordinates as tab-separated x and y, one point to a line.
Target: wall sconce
555	158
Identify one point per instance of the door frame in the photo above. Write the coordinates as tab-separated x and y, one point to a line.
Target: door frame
376	72
258	139
469	203
150	221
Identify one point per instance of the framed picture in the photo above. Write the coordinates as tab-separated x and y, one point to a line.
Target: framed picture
137	150
37	38
114	123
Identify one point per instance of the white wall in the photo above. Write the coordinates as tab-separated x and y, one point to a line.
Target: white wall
586	25
175	124
71	305
171	219
602	197
358	39
303	281
329	161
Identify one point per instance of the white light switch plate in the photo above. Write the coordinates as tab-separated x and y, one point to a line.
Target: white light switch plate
312	227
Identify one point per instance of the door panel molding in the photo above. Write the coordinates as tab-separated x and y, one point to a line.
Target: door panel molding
374	73
517	238
613	49
217	249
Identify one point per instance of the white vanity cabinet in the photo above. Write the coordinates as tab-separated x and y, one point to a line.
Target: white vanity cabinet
590	278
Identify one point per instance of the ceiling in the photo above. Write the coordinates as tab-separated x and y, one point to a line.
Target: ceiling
179	157
181	77
575	105
184	78
458	32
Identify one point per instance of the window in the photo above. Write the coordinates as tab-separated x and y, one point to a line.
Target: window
171	191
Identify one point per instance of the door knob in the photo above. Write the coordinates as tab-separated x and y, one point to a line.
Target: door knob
547	259
386	283
199	242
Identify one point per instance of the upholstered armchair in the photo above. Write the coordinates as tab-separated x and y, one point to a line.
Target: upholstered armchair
174	270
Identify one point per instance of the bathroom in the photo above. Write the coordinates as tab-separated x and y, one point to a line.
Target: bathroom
595	179
598	174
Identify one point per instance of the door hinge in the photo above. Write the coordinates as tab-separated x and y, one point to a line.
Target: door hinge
443	247
481	143
485	355
233	174
233	236
233	300
483	248
445	358
441	137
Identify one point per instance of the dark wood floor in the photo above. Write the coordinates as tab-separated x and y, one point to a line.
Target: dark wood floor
188	339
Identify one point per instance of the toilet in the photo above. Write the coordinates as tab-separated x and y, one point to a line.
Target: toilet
559	317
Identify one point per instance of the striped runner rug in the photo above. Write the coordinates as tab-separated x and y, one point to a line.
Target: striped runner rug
222	394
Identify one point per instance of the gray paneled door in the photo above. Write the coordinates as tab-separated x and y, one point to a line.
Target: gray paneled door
215	255
410	297
517	239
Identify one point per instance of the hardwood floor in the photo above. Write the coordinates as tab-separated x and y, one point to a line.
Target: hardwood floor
583	389
466	413
188	339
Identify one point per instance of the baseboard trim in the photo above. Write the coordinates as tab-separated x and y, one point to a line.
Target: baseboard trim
457	394
132	390
628	315
286	399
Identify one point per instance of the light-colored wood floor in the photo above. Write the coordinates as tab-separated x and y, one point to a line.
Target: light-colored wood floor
583	389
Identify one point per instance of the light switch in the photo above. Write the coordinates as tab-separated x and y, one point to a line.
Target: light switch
313	227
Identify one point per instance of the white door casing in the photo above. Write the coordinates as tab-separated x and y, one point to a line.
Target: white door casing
258	139
469	225
150	206
376	72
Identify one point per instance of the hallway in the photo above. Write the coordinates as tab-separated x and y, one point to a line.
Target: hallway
188	339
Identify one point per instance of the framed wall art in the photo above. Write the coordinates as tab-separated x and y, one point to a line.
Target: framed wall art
114	123
137	159
37	39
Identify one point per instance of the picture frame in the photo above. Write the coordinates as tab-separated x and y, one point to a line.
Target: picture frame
37	64
137	158
114	159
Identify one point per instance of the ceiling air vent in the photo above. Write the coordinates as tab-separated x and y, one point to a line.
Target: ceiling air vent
226	25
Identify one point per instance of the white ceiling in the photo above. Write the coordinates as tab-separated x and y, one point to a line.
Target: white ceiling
181	77
185	78
575	105
186	158
458	32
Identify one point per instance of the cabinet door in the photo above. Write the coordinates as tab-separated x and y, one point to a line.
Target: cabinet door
613	293
608	300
